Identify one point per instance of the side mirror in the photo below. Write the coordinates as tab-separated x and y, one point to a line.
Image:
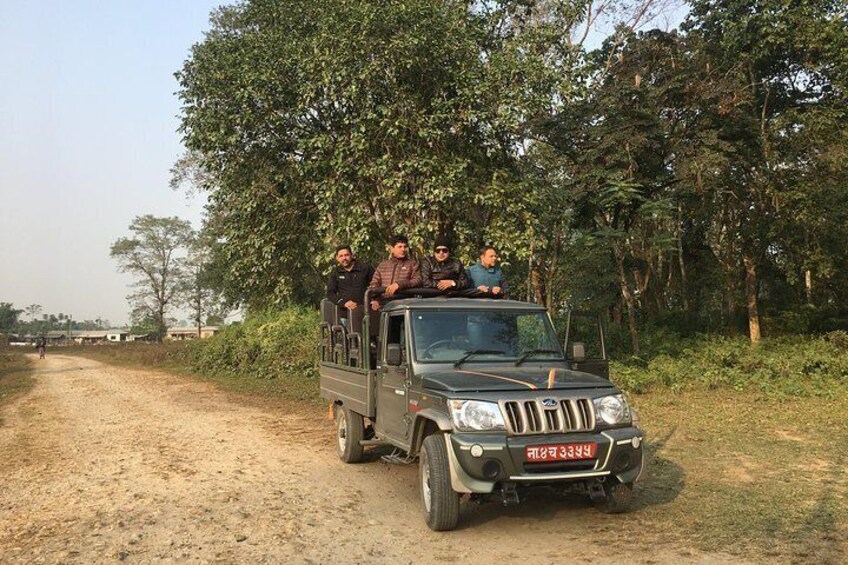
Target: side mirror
578	352
394	354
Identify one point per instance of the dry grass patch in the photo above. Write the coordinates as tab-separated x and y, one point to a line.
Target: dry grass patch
749	475
15	376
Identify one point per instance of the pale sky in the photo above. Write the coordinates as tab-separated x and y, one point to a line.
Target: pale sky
88	121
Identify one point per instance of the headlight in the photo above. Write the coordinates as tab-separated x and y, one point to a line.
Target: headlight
475	416
612	410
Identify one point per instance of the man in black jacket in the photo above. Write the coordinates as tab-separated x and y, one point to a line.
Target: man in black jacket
441	271
348	280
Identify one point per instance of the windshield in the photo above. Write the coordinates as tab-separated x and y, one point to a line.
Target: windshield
448	336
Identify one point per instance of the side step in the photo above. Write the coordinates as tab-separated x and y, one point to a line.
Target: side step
372	442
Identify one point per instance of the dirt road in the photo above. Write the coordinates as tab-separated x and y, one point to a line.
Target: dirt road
101	464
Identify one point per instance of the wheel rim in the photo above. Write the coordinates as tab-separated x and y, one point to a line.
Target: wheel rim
342	432
425	481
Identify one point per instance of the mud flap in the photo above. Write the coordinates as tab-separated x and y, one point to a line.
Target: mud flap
461	482
633	475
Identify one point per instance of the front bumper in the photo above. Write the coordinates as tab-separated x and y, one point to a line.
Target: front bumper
500	458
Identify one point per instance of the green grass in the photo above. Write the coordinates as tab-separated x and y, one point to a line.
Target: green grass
15	375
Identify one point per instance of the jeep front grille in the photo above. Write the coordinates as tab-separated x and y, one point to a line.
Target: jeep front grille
525	417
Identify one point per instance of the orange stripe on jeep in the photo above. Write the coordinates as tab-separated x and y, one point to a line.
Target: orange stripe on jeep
530	386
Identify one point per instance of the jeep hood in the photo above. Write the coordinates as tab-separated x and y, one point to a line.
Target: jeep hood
509	378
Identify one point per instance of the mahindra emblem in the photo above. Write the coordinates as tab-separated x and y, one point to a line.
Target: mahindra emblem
549	402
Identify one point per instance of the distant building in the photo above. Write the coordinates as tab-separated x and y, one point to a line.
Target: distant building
141	337
184	333
55	338
117	335
89	337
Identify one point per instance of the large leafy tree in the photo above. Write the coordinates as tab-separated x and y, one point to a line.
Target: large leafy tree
361	119
321	122
154	254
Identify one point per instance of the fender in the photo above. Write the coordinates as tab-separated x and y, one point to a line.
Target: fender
440	419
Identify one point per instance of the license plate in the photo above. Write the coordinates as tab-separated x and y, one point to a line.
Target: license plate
560	452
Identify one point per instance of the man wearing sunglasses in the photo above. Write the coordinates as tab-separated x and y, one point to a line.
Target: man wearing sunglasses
441	271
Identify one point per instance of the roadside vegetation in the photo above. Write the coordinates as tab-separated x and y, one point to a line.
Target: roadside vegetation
274	352
15	375
271	354
780	368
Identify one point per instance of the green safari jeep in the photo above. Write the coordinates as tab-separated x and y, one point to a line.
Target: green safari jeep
482	394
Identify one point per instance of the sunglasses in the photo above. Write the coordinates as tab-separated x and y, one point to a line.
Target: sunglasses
442	250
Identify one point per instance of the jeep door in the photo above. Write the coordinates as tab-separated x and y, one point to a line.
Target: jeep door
393	380
585	330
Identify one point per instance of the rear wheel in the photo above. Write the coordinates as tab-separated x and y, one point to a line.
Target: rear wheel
350	430
440	501
616	498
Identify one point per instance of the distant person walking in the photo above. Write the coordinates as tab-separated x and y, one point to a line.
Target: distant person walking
41	345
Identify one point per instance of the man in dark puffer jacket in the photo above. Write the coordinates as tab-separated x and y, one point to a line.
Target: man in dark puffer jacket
398	272
441	271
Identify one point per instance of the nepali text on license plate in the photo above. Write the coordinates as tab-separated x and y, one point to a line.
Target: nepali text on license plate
560	452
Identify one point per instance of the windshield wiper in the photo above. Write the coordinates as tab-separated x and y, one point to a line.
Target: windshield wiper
527	354
468	354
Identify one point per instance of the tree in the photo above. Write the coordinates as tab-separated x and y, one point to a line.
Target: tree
608	161
8	316
202	293
779	82
154	254
33	310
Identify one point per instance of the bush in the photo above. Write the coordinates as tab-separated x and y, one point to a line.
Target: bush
274	344
785	366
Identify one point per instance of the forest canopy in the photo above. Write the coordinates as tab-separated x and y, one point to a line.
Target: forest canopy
696	175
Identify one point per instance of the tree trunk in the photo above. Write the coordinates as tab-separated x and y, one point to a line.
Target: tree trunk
163	329
627	295
751	298
684	287
538	284
550	273
616	314
808	285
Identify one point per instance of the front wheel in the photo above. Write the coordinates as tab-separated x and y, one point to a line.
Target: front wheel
616	498
440	501
350	430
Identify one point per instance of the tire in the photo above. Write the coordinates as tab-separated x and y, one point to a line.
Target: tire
349	432
440	502
616	499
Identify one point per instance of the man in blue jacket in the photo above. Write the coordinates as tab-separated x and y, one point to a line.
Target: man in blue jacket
486	276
